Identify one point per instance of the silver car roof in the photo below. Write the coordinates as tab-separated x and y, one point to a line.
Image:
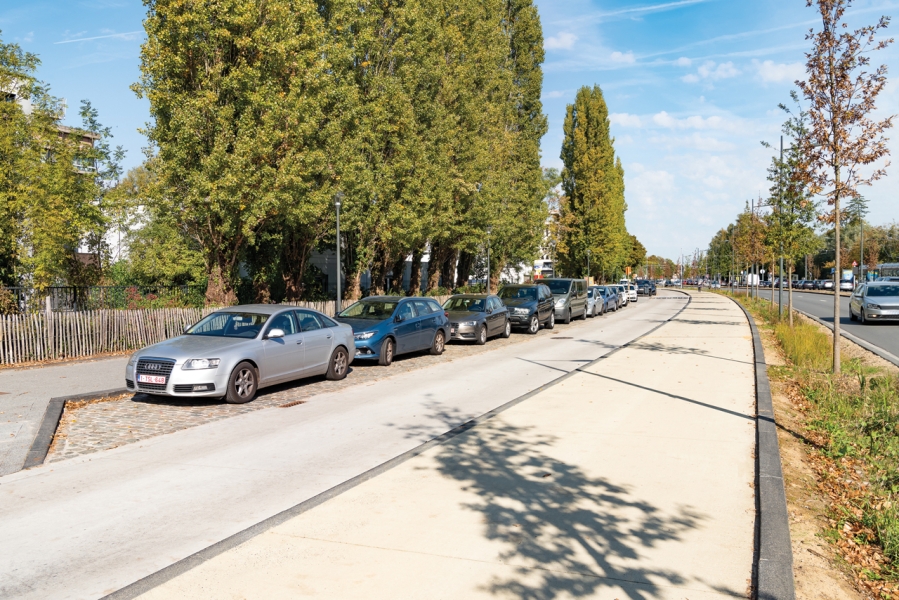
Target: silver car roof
262	309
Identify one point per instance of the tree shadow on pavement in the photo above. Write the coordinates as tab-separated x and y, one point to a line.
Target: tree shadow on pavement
561	531
673	349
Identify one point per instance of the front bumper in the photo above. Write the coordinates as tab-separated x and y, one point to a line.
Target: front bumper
369	349
463	333
179	383
520	320
881	314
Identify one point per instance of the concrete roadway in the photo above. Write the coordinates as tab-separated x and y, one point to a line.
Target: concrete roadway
89	526
883	335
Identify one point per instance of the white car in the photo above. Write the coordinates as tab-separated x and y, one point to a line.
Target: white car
631	292
623	298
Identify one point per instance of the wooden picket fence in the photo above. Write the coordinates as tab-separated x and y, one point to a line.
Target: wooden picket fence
62	335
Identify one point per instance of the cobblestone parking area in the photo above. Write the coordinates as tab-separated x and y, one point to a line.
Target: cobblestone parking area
103	425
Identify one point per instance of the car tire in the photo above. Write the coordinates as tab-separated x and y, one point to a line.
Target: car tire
482	336
567	319
584	316
861	317
243	384
852	316
551	322
388	349
439	343
339	365
507	331
534	325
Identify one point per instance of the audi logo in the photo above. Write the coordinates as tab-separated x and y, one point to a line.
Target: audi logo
153	366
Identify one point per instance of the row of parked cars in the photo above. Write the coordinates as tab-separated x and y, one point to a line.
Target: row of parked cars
234	352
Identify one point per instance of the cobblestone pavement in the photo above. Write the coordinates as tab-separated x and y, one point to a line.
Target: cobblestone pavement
108	424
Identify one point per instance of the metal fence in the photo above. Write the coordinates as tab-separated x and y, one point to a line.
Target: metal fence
45	336
70	298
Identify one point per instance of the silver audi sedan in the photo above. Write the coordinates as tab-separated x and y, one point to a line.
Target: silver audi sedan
236	351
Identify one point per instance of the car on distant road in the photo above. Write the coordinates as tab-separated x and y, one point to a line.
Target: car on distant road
570	296
645	287
808	284
236	351
631	292
875	301
386	326
530	306
477	317
846	285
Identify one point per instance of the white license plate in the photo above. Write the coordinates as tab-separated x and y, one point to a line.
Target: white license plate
151	379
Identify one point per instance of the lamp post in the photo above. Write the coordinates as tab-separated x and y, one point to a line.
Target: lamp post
338	197
588	265
489	229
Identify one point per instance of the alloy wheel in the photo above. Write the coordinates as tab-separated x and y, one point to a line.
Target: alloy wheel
245	383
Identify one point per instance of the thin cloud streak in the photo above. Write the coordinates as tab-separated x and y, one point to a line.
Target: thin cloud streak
637	10
100	37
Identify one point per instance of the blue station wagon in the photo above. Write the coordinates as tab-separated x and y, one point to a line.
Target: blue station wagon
387	326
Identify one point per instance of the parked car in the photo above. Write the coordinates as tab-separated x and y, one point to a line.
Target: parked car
234	352
631	292
595	302
476	317
808	284
570	296
828	284
645	287
623	297
846	285
875	301
529	305
386	326
609	297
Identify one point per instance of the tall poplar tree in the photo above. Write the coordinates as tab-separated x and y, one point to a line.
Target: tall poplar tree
593	183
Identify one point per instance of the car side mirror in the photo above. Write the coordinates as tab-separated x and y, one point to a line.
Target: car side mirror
274	333
399	319
489	311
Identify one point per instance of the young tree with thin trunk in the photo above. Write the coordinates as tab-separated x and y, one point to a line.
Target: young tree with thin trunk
844	143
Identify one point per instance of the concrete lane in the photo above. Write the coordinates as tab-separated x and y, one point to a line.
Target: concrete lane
25	393
631	479
88	526
883	335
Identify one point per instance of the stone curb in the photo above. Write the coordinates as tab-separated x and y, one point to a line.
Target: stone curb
853	338
774	550
184	565
41	444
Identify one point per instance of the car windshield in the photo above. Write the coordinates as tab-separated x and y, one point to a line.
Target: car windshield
510	292
883	290
558	287
230	324
376	310
464	304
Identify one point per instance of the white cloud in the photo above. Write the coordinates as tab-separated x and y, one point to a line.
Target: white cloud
626	57
563	41
554	94
665	120
712	71
625	120
683	61
771	72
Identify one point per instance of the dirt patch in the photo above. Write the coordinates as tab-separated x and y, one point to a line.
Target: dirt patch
817	572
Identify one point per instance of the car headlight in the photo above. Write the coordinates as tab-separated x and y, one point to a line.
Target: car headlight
132	360
874	306
468	323
365	335
520	311
560	302
201	363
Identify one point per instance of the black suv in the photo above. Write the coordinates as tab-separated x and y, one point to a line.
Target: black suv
530	305
645	287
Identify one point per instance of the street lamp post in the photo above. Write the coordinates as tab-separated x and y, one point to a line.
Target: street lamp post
588	265
489	229
338	197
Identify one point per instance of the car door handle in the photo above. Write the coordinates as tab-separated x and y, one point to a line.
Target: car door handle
329	336
300	343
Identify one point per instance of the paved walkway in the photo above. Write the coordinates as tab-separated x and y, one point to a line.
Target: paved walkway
632	478
25	393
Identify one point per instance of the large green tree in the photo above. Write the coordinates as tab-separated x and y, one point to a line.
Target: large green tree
593	182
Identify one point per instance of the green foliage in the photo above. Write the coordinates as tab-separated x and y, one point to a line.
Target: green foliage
593	181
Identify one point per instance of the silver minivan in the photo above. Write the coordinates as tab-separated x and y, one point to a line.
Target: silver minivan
569	298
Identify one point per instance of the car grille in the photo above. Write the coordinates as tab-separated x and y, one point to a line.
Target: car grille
189	387
129	384
154	366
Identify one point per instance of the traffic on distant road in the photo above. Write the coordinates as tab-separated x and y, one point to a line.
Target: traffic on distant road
234	352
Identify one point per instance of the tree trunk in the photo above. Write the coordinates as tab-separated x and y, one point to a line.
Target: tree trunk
415	275
219	290
297	249
396	280
437	254
448	268
354	284
466	259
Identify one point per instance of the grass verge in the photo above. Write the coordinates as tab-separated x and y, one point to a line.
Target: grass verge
851	424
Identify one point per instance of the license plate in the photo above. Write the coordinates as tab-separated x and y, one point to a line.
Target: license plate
453	331
157	379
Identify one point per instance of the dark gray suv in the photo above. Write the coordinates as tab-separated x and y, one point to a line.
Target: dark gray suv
530	306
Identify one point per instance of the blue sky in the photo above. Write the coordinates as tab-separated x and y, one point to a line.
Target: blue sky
692	85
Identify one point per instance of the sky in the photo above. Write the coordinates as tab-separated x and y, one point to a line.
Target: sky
693	87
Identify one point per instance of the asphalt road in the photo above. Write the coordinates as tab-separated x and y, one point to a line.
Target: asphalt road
85	527
883	335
